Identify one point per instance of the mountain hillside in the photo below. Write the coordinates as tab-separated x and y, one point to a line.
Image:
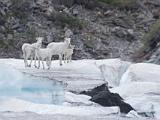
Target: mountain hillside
99	28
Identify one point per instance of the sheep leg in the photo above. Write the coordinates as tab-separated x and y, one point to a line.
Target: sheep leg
43	64
49	67
25	60
38	63
48	61
35	58
64	58
70	58
27	57
27	63
31	61
24	57
60	59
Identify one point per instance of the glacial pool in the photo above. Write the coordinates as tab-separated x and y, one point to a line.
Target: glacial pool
34	89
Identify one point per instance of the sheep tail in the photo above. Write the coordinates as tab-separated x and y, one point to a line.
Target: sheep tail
24	51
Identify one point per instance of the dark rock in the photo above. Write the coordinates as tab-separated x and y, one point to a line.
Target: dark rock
2	22
122	22
96	90
156	14
77	10
106	98
68	3
91	4
119	32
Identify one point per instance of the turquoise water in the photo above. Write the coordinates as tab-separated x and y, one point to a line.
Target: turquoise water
37	90
34	89
43	91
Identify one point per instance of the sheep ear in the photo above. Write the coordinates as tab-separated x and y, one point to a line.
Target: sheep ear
39	38
72	46
42	38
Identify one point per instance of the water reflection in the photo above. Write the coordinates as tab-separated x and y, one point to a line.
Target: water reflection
37	90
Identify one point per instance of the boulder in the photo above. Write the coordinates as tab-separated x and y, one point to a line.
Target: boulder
96	90
106	98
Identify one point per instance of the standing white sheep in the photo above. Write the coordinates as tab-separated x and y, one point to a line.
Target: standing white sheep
68	54
44	54
29	51
58	48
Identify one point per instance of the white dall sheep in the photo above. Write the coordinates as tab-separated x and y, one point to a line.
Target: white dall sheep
44	54
58	48
67	56
29	51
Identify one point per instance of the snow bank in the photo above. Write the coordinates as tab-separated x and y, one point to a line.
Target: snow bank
133	114
17	105
77	99
140	87
137	88
112	70
143	72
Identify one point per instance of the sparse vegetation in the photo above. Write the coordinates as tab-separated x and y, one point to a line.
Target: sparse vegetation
63	19
6	43
120	3
150	42
30	34
20	9
149	37
2	44
68	3
90	4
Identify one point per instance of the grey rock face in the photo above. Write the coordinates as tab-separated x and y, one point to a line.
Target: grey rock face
155	58
104	33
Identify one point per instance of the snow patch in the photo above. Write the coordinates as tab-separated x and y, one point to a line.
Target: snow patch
112	70
143	72
140	87
17	105
77	99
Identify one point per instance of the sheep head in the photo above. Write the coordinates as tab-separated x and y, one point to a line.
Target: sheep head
39	39
68	40
71	46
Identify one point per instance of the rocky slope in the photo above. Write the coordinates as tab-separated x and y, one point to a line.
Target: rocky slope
101	28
